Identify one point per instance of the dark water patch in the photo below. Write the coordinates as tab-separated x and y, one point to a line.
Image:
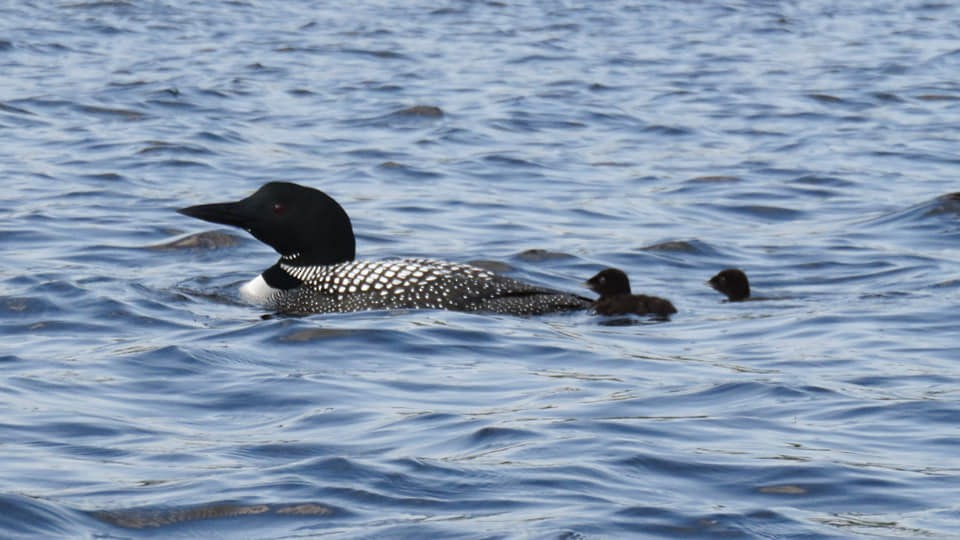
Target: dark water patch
822	486
105	176
27	237
341	470
266	70
766	213
402	170
99	4
728	393
173	164
110	112
207	290
14	110
60	289
304	92
536	59
429	418
214	93
875	271
170	518
887	97
493	436
938	97
378	54
163	95
309	335
129	84
541	255
373	154
161	147
631	320
716	179
919	158
931	381
897	413
28	307
823	182
510	161
421	111
416	117
23	516
468	137
831	100
857	523
499	267
15	116
76	430
171	361
691	247
239	400
669	131
221	136
938	214
948	284
294	453
655	522
386	87
615	119
206	240
457	336
523	122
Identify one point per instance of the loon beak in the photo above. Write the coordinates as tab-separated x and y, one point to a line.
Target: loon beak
226	213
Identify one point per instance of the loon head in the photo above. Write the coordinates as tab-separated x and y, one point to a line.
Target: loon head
733	283
609	282
304	225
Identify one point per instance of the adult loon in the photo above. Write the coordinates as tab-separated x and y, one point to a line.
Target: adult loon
613	286
732	282
317	273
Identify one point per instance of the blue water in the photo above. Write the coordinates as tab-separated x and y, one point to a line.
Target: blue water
815	145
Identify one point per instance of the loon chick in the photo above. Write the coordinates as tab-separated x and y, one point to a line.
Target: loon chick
732	282
613	286
317	273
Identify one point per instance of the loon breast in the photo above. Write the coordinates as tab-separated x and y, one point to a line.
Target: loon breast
258	292
405	284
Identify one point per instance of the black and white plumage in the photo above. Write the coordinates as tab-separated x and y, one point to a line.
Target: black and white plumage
316	272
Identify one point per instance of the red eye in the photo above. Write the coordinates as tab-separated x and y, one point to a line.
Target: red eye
279	208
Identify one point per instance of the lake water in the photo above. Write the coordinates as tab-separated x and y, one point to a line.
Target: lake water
813	144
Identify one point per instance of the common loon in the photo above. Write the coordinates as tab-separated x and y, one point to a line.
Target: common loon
732	282
613	286
317	273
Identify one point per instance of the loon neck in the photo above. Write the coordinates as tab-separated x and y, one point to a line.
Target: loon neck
278	278
322	257
279	275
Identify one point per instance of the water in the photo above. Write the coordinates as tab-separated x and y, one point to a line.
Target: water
813	145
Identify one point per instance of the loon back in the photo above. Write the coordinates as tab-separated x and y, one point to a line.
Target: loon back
316	272
411	284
